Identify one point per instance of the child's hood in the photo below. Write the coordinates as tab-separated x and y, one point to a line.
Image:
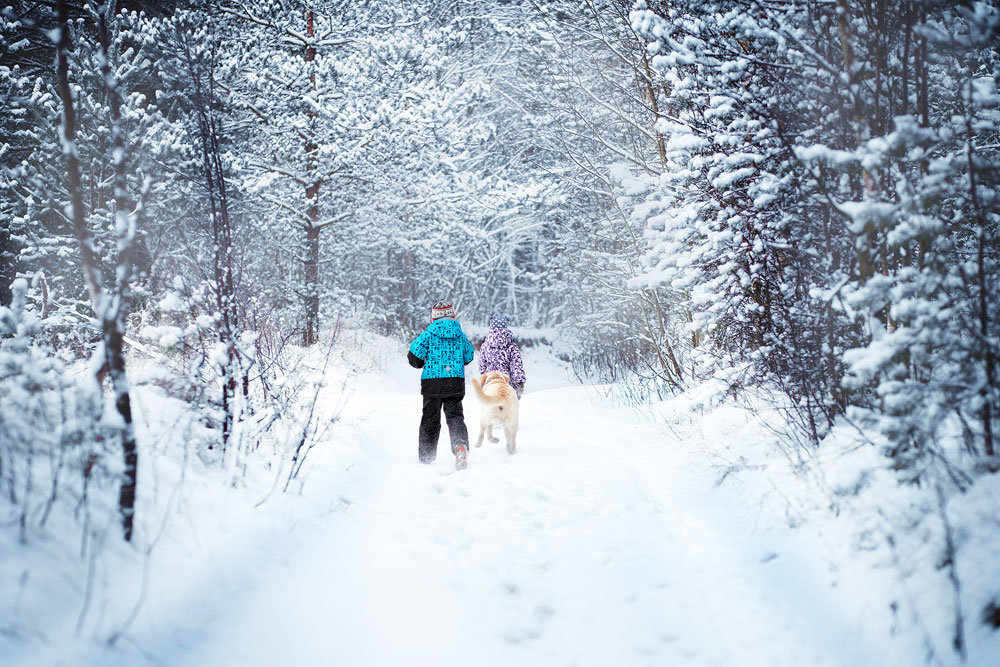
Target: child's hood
500	337
445	328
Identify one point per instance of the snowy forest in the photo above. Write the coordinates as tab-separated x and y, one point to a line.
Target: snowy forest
750	250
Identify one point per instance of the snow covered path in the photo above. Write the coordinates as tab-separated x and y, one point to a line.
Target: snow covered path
601	542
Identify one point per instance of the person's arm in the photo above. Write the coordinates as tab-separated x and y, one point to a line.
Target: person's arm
417	354
469	352
516	366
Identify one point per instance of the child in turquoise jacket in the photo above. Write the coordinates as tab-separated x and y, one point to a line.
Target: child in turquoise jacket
442	351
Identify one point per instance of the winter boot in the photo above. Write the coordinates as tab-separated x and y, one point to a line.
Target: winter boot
461	458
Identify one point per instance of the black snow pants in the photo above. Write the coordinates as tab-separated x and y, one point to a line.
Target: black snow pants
430	425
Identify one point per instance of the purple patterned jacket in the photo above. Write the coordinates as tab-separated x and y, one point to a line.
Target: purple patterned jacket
499	352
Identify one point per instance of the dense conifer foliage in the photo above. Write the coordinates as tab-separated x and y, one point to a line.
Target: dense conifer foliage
830	207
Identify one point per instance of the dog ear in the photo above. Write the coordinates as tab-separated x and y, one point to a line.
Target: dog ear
482	380
506	378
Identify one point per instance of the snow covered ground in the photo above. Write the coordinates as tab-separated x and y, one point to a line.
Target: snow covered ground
613	537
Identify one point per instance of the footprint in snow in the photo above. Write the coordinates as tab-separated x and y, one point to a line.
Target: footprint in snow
544	613
521	635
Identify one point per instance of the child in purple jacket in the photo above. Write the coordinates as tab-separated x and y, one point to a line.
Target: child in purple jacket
499	352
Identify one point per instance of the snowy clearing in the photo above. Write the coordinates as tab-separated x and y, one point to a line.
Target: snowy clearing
606	540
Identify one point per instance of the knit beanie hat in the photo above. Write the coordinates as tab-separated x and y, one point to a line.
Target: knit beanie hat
499	321
442	309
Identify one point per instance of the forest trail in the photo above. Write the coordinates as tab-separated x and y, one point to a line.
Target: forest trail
603	541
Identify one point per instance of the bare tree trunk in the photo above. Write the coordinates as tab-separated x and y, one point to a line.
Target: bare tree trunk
312	285
311	268
74	185
113	321
109	307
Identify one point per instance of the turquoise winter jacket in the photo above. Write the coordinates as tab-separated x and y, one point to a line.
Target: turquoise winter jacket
442	350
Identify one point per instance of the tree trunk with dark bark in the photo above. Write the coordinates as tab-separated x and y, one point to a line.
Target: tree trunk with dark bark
108	306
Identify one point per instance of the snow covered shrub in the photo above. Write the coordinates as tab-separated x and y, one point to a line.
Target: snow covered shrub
932	358
275	403
193	358
55	449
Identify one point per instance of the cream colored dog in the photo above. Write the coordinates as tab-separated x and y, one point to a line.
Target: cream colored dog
499	407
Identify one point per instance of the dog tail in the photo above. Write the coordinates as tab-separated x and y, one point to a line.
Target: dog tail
482	395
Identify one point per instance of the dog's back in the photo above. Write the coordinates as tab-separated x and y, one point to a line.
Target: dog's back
500	406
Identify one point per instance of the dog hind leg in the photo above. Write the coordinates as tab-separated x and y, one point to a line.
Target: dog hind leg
511	435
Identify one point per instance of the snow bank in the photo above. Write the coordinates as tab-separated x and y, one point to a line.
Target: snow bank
881	543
